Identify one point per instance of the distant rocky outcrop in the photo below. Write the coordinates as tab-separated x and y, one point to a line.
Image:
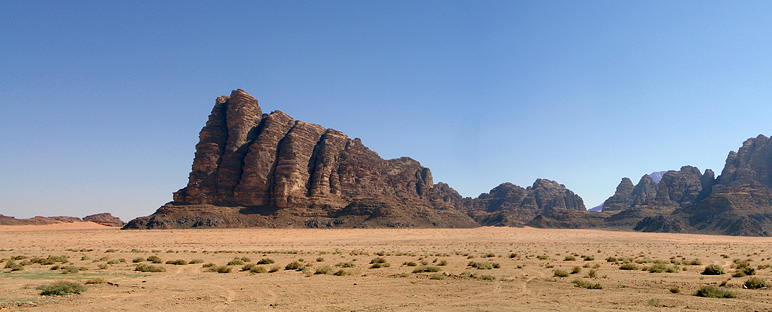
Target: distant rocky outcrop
38	220
255	169
105	219
738	202
511	205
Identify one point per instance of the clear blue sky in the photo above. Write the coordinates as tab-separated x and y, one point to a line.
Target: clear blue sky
102	101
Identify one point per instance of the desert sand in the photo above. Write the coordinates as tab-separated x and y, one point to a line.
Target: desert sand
525	279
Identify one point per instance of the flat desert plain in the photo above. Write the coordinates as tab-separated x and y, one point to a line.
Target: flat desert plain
482	269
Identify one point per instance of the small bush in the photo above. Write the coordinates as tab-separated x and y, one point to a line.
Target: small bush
266	261
569	258
248	267
342	272
755	283
196	261
576	270
236	261
138	260
220	269
585	284
294	266
69	269
380	265
347	265
560	273
484	265
426	268
274	268
714	292
95	281
154	259
437	276
592	274
487	277
177	262
713	269
409	263
628	266
320	259
324	270
148	268
662	268
443	263
208	265
611	259
257	269
675	290
61	288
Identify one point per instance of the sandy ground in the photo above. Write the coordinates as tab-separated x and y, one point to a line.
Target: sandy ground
524	280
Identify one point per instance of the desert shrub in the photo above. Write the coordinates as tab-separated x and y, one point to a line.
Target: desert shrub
426	268
274	268
662	268
114	261
754	283
236	261
409	263
346	265
49	260
713	269
148	268
320	259
111	250
177	262
592	274
691	262
196	261
54	268
576	270
512	255
483	265
257	269
220	269
588	258
342	272
324	270
611	259
675	290
569	258
138	260
559	273
628	266
437	276
102	266
97	280
248	266
266	261
489	255
743	271
208	265
543	257
443	263
487	277
294	266
714	292
246	259
380	265
69	269
377	260
585	284
154	259
61	288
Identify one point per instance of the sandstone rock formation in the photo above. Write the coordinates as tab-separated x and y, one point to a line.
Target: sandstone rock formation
511	205
105	219
255	169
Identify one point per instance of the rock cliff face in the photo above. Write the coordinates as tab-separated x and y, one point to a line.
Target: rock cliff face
739	202
255	169
511	205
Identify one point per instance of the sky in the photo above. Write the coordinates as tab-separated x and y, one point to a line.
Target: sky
101	102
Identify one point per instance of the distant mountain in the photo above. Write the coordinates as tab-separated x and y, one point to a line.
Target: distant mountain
105	219
657	176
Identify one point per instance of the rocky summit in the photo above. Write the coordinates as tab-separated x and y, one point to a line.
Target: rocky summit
253	169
